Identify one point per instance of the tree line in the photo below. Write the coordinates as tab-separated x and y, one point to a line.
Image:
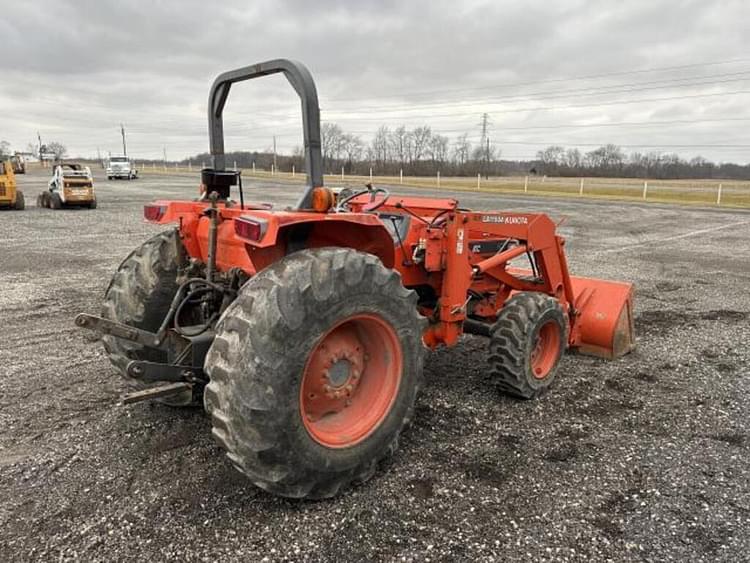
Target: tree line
416	152
611	160
421	152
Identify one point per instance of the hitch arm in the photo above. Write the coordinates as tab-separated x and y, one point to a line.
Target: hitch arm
119	330
156	393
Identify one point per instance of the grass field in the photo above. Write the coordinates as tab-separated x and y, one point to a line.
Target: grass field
696	192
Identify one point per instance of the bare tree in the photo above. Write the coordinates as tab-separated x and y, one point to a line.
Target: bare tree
609	157
552	156
400	142
439	148
57	149
485	153
462	149
370	155
4	149
573	158
352	147
421	137
381	145
331	141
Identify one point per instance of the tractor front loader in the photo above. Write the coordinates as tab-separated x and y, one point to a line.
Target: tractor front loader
302	331
10	196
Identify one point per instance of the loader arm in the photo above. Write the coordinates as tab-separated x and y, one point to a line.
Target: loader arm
599	312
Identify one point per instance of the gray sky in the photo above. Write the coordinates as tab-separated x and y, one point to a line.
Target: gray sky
546	72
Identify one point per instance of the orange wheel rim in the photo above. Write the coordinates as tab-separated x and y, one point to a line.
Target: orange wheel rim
350	381
546	350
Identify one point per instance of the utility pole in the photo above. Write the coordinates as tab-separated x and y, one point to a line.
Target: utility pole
39	137
485	143
487	155
165	156
274	153
124	149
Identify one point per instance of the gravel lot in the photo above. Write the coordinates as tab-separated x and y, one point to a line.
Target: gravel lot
644	458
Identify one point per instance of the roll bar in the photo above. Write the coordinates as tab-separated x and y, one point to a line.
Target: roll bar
301	80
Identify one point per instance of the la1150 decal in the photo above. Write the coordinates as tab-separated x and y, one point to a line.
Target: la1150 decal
505	219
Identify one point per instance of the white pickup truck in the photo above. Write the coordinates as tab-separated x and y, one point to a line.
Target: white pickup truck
121	167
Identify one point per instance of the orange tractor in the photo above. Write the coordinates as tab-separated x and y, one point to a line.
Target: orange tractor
303	330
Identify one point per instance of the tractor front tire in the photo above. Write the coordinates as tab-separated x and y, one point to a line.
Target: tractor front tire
20	202
92	205
527	343
314	372
139	295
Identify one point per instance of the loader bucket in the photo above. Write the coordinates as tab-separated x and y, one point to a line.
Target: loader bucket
605	317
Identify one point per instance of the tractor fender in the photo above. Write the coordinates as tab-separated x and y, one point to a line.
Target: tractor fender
275	233
370	238
293	231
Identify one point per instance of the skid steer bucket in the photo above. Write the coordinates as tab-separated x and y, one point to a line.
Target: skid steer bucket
605	317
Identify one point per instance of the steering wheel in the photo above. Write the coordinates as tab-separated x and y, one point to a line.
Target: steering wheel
370	207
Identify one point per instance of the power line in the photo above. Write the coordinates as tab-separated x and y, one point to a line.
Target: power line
596	91
560	79
576	144
627	124
550	108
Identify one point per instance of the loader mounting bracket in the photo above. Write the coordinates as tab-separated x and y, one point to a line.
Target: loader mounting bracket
155	371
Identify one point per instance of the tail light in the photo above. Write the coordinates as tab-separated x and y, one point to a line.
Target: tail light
250	228
154	212
322	199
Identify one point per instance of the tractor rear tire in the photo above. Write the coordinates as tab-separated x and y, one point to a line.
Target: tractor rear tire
20	202
54	201
527	343
314	372
139	295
